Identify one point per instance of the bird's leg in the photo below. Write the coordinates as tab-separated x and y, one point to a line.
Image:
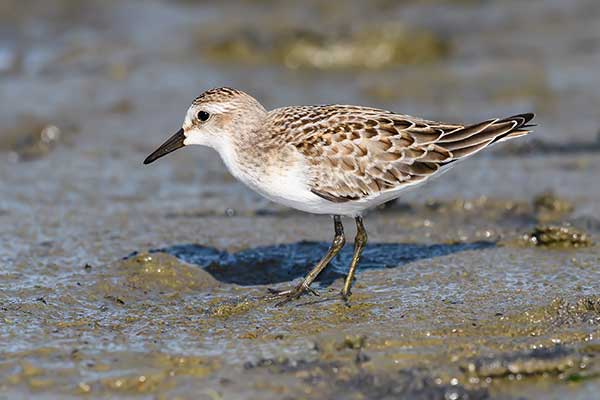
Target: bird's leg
338	242
360	242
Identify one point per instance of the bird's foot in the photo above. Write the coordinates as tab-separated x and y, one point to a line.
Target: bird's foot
291	294
345	295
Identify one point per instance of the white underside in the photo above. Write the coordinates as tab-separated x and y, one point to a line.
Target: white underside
289	187
290	191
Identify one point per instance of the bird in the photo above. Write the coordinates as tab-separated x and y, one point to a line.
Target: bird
334	159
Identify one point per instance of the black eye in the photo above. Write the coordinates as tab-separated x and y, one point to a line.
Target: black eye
203	115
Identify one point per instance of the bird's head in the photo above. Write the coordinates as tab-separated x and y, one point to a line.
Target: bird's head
214	119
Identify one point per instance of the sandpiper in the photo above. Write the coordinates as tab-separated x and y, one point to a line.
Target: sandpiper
330	159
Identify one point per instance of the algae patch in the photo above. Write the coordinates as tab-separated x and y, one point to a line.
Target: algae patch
159	271
147	276
116	373
230	309
549	207
538	361
373	48
334	379
553	236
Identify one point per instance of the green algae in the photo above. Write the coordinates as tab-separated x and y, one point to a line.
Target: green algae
550	207
538	361
160	272
371	47
229	309
160	372
553	236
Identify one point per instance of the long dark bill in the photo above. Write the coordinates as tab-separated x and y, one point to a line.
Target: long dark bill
173	143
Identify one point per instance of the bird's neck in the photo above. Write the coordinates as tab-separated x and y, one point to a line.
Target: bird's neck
245	156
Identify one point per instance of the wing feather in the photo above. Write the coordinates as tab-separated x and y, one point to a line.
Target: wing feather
358	152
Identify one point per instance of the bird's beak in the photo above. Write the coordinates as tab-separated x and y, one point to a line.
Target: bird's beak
173	143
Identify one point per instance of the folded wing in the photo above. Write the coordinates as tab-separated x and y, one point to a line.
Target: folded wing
361	152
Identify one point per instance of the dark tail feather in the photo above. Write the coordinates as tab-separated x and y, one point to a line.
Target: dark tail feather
473	138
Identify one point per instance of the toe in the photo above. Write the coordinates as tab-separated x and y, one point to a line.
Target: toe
346	295
278	293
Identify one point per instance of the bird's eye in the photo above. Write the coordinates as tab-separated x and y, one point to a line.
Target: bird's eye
203	116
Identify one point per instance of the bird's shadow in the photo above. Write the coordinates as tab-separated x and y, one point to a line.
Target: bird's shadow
267	265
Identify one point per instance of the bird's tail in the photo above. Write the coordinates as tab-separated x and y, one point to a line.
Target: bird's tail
470	139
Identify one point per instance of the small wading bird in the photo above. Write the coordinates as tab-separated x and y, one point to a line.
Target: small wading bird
330	159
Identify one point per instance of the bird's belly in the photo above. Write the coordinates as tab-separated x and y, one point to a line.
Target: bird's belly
289	187
291	191
287	183
294	193
305	200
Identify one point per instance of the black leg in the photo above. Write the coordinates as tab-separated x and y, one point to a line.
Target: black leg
338	242
360	242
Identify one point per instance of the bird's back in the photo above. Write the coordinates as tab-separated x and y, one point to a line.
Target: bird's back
360	153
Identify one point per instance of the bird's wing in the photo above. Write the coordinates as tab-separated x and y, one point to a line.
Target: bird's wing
358	152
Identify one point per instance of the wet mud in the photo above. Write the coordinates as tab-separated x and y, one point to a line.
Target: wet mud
124	281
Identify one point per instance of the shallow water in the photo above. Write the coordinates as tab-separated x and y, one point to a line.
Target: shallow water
120	280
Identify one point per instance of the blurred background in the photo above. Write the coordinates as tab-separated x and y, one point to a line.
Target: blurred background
88	88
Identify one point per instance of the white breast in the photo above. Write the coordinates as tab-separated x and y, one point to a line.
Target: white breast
286	184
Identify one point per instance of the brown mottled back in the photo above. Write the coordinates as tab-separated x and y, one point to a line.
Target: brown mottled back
359	152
